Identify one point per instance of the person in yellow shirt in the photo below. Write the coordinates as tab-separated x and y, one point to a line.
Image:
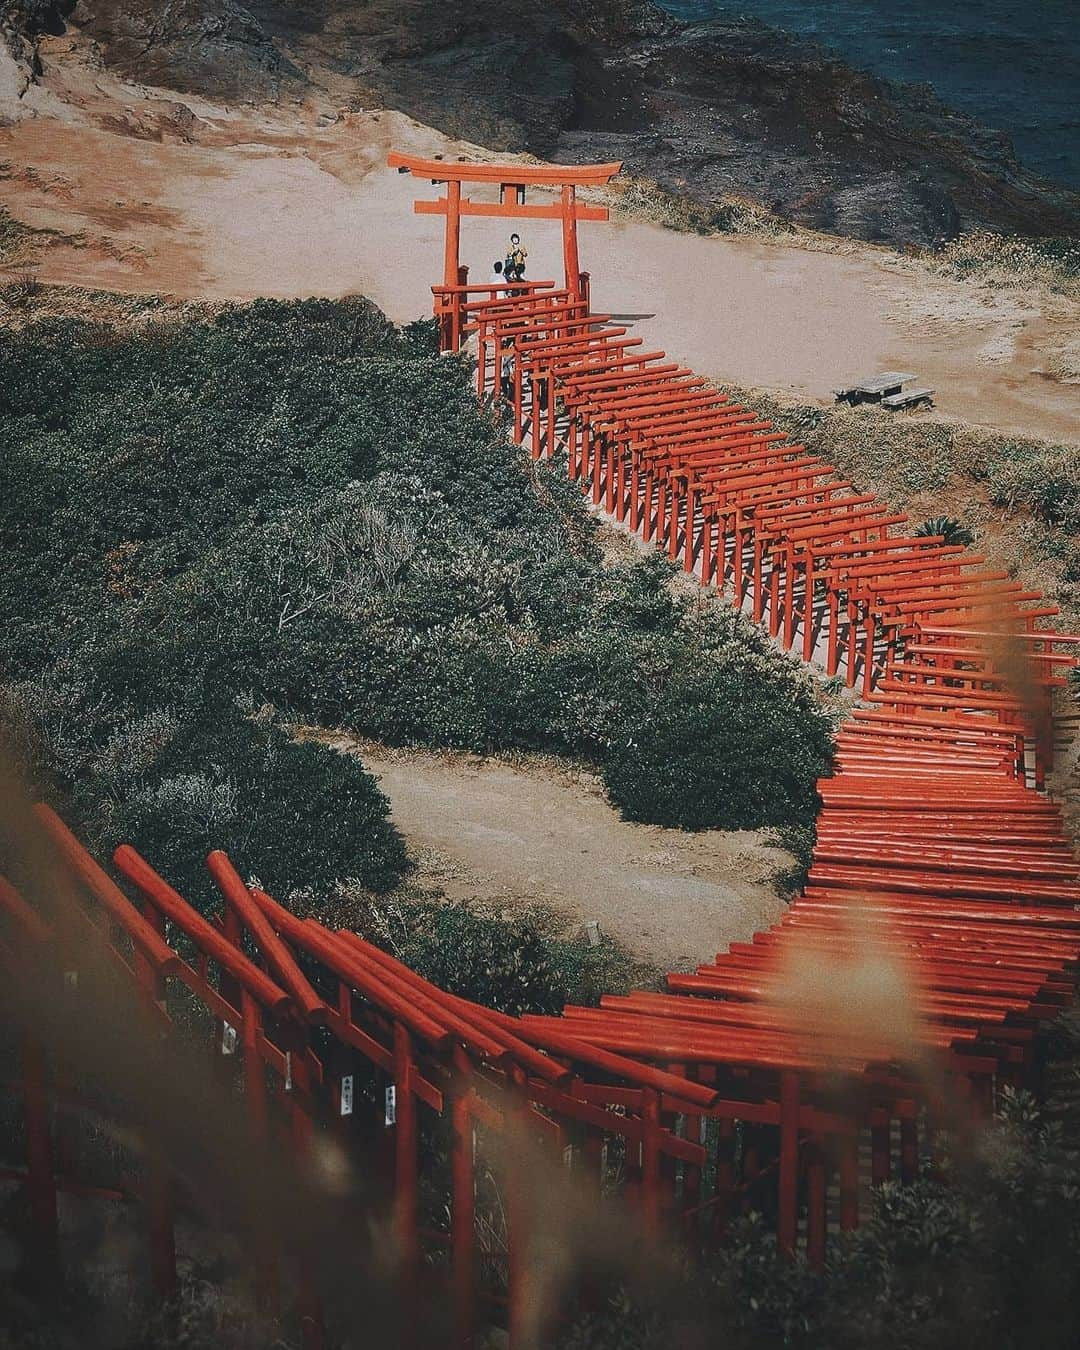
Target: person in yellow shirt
514	267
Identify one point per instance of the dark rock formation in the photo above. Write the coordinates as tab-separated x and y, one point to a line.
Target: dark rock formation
212	47
731	106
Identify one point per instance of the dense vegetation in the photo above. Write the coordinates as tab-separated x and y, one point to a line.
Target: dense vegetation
980	1254
296	512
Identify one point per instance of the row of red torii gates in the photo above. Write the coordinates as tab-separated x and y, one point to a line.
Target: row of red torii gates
937	855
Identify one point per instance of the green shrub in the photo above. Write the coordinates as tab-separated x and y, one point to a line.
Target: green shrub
799	840
1043	478
295	504
730	743
529	960
504	965
297	815
949	529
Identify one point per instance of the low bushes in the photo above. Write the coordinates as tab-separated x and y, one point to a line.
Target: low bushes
294	814
299	506
721	744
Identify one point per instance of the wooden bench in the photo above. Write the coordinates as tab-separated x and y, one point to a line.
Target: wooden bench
909	398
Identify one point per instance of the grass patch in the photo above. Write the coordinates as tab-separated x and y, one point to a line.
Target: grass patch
646	199
1022	495
14	238
1007	261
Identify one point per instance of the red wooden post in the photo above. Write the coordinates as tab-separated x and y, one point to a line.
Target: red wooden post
815	1207
458	302
620	482
737	564
258	1111
647	507
650	1161
571	264
676	498
406	1191
517	1242
788	1197
536	445
880	1153
808	608
519	396
43	1252
586	451
774	594
868	658
688	550
452	255
849	1182
159	1196
852	639
758	579
832	620
792	575
634	504
302	1129
462	1203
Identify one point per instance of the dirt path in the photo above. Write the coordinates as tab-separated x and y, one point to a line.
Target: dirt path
154	194
514	833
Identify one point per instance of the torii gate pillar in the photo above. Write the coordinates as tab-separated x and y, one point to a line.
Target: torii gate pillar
453	234
571	263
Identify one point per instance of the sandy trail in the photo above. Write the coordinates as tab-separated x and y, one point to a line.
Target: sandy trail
241	203
515	833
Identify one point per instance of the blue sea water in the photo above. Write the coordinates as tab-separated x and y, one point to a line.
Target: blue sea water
1012	64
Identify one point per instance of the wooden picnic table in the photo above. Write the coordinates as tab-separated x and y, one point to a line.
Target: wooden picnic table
877	387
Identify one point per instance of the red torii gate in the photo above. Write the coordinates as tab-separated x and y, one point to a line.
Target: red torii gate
513	180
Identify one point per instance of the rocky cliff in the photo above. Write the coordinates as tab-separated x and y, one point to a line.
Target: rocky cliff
727	107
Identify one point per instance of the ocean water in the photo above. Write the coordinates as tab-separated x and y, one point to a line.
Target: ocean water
1012	64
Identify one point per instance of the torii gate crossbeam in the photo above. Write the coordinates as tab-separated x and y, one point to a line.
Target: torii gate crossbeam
513	180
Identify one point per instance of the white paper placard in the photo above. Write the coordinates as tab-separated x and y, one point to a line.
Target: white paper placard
346	1094
391	1105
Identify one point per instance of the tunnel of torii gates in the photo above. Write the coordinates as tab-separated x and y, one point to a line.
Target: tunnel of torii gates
938	850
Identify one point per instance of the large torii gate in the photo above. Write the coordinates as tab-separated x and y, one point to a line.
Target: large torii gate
512	180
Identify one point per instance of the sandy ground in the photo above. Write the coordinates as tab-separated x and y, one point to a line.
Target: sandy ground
146	193
516	833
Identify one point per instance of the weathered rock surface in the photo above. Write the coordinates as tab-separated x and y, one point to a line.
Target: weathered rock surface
727	107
